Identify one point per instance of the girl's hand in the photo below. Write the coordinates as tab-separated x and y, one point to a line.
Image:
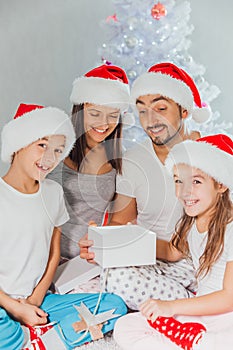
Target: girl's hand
84	244
32	315
153	308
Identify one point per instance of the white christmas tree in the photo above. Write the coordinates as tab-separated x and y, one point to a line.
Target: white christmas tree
142	33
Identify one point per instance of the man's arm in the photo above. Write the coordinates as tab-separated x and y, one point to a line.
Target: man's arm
166	251
124	210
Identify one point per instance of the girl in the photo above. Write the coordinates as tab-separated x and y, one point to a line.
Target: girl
202	173
32	209
88	174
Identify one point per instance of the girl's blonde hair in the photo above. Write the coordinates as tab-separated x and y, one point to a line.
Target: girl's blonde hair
222	215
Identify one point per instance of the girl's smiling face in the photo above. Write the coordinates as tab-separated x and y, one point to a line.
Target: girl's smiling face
197	191
99	122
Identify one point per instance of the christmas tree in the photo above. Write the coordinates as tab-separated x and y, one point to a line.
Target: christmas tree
142	33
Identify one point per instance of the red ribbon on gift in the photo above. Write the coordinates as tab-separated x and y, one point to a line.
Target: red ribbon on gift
35	336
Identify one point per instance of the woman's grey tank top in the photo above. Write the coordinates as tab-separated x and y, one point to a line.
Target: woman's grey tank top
87	197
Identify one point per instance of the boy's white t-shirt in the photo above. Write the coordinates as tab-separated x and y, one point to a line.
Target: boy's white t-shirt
213	281
145	178
27	222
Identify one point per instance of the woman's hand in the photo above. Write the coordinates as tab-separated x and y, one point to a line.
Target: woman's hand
84	244
153	308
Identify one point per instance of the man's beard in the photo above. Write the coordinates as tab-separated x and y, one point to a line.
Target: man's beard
161	142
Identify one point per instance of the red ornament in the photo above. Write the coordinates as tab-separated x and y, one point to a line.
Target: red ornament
112	18
158	11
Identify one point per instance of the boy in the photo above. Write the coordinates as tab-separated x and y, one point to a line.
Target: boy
32	209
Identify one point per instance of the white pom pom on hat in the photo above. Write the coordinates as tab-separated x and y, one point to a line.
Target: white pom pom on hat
212	154
32	122
103	85
173	82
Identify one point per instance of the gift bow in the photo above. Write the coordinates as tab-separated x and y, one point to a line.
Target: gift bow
91	322
186	335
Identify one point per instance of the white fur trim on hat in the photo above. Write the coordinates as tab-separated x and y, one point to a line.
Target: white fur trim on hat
170	87
31	126
204	156
201	115
100	91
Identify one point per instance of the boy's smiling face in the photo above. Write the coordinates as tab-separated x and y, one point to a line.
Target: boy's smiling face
41	157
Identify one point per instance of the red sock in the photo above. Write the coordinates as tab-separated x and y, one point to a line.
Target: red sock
186	335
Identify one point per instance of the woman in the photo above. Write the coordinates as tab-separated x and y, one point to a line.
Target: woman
88	174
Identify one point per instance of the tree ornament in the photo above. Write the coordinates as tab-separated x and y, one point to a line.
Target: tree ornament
199	80
158	11
131	41
132	74
108	63
112	18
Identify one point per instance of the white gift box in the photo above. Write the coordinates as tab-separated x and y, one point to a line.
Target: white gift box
124	245
73	273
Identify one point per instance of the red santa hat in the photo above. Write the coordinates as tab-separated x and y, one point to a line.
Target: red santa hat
32	122
103	85
212	154
173	82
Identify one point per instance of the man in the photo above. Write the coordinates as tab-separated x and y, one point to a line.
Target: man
164	98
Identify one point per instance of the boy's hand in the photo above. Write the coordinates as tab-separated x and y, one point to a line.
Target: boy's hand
153	308
30	300
84	244
29	314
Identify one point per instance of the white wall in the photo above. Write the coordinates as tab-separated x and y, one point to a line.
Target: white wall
45	44
212	46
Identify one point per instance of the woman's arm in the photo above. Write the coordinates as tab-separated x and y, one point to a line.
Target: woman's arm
40	290
210	304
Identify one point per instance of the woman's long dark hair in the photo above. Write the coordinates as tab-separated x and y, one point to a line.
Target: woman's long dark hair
112	143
